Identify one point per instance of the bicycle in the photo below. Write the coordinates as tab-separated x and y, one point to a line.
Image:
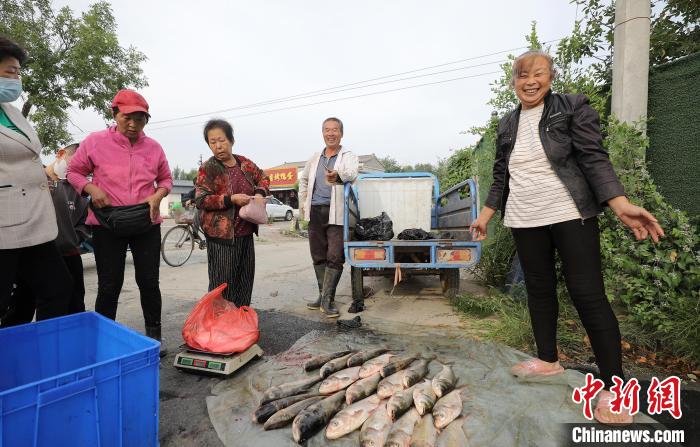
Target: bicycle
178	243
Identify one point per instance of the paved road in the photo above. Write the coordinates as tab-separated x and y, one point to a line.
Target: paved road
284	281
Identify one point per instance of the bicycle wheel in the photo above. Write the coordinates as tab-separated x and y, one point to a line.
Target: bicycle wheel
177	245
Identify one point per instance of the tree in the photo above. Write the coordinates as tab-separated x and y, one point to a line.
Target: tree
390	164
180	174
74	61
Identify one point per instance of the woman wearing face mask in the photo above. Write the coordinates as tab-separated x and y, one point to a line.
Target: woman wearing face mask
551	179
130	177
27	218
224	184
71	211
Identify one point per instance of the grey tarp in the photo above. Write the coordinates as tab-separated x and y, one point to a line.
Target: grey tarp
498	409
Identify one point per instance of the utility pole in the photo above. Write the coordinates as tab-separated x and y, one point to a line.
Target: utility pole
631	60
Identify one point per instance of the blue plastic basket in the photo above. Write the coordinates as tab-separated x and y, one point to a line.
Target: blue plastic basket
80	380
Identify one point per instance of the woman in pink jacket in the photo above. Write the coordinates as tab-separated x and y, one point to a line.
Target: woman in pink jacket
130	176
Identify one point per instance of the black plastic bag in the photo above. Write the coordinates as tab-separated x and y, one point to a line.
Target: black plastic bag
415	234
379	228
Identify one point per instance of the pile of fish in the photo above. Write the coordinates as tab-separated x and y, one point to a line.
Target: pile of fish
386	396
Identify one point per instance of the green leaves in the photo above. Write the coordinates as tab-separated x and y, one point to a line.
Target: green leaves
74	62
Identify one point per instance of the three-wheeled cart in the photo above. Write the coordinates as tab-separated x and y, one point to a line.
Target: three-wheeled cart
412	200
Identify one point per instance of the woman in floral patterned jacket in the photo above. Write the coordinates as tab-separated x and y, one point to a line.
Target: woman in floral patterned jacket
225	183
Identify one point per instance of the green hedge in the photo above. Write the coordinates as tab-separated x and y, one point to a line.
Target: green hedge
674	131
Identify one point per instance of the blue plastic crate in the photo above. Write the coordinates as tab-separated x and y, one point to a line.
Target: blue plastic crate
80	380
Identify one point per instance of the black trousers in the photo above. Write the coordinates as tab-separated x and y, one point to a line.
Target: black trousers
110	259
578	245
325	241
41	267
23	303
233	264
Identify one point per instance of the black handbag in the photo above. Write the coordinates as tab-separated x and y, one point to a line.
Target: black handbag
124	221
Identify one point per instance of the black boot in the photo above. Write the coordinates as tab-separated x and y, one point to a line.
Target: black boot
154	333
330	282
320	274
357	306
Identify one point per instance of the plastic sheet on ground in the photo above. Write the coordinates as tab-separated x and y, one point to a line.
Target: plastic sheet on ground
498	409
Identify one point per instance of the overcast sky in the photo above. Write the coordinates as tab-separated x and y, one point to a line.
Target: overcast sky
207	56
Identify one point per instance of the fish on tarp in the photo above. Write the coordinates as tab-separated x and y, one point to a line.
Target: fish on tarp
315	416
320	360
376	428
402	430
425	434
400	402
444	381
362	388
335	365
390	385
339	380
396	365
361	357
424	397
285	416
288	389
351	418
453	435
263	412
414	373
375	365
448	408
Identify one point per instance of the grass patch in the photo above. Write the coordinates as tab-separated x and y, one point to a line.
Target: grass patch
510	321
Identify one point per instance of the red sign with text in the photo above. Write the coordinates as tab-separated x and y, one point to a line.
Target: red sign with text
282	177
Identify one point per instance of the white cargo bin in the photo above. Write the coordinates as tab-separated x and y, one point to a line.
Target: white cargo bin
407	201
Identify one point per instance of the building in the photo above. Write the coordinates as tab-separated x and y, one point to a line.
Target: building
285	177
180	187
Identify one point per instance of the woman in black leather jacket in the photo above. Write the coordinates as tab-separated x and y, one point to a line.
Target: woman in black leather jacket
551	178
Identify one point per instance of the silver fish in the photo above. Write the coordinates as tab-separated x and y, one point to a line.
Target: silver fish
453	435
315	416
444	381
401	431
423	397
362	356
351	418
391	384
400	402
288	389
362	388
375	365
338	381
447	408
320	360
425	434
415	372
286	415
376	428
397	365
263	412
335	365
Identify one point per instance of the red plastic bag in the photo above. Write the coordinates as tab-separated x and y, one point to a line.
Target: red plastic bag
217	325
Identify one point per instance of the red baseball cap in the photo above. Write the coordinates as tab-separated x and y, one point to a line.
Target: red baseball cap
129	101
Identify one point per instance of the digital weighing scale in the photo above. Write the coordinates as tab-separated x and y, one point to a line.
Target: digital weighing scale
218	364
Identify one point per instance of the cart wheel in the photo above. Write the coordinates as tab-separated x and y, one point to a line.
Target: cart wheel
357	283
449	278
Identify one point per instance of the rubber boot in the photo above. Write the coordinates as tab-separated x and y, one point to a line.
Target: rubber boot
330	282
320	274
154	333
357	306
